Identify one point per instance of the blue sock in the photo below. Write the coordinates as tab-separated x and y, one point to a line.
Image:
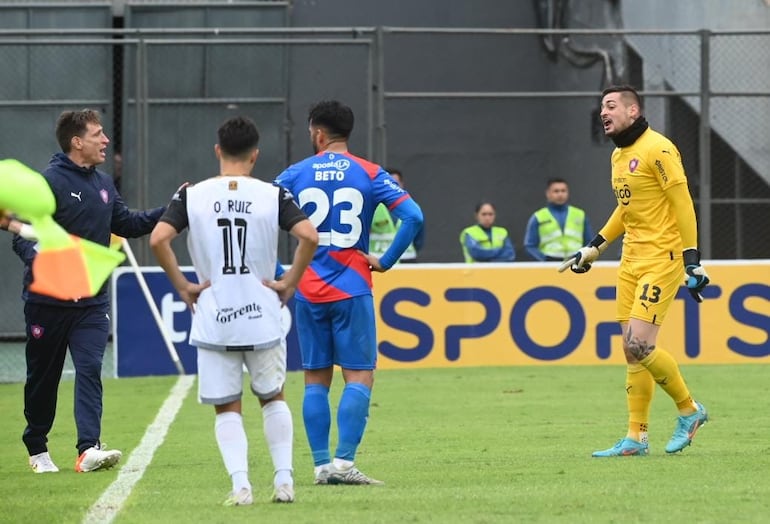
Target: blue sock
318	418
351	419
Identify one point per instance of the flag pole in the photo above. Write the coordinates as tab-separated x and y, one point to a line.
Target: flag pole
153	308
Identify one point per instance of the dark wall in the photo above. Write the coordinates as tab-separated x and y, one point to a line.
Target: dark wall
48	73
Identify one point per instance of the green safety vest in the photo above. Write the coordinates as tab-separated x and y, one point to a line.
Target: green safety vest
383	232
499	234
410	253
557	243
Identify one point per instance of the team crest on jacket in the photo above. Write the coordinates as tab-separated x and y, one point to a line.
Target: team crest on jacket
36	331
105	196
632	165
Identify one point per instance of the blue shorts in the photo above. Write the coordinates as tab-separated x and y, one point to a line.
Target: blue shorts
341	333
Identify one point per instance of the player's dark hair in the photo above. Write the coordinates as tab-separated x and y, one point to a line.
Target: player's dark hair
238	136
555	180
73	123
627	92
334	116
395	171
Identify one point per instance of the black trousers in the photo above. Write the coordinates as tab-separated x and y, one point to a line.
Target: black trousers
50	331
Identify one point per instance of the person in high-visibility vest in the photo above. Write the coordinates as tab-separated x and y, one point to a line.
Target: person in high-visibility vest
557	230
384	228
410	255
485	242
382	232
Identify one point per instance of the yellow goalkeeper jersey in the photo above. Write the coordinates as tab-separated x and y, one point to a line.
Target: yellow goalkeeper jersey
641	173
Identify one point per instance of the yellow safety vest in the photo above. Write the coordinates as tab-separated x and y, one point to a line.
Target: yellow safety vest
383	231
411	252
557	243
499	234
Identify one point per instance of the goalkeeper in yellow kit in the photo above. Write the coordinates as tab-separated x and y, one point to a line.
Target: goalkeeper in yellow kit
656	214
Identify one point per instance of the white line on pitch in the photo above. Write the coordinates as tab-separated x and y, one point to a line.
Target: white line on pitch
109	504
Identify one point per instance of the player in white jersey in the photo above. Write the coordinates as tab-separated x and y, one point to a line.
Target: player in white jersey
234	221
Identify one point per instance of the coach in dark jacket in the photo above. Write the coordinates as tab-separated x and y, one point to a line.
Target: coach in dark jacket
89	206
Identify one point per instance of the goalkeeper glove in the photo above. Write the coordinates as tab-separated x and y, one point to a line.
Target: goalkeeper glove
582	260
696	278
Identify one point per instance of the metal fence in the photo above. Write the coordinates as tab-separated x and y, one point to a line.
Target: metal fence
710	90
466	112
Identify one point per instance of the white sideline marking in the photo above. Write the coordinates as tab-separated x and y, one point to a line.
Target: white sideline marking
109	504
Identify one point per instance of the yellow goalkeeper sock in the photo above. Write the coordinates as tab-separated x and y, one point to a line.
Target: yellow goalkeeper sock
665	371
640	388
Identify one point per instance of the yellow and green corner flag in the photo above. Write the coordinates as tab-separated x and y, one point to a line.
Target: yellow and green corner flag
66	267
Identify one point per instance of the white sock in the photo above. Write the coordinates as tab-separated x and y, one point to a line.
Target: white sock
342	464
279	434
234	447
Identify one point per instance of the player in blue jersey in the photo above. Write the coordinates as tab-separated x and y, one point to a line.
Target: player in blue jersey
334	307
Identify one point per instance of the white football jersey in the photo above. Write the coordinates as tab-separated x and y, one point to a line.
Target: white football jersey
233	243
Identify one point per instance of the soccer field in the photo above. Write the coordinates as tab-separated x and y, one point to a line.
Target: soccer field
477	445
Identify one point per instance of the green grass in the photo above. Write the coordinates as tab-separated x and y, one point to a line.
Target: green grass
477	445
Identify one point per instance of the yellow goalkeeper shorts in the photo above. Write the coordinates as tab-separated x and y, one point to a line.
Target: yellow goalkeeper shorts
646	288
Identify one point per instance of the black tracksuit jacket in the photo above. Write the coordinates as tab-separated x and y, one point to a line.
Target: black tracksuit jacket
89	206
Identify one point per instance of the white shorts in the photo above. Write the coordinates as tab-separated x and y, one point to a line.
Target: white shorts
220	373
